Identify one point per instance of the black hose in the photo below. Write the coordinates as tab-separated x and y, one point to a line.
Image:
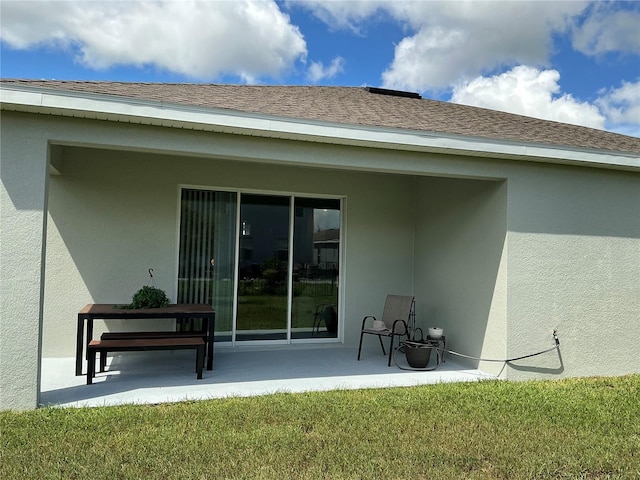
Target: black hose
451	352
555	347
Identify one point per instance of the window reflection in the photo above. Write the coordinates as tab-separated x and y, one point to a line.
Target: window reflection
263	268
207	268
316	260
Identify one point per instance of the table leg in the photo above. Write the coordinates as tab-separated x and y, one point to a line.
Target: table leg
79	345
89	334
211	326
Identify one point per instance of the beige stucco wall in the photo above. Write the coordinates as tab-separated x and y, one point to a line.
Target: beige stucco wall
23	170
574	265
499	256
461	262
550	247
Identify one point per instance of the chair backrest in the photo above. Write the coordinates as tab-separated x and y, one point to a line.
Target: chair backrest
397	307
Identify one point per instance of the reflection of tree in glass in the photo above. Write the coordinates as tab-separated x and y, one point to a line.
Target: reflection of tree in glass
274	272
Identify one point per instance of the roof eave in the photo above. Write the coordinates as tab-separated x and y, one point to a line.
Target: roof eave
110	108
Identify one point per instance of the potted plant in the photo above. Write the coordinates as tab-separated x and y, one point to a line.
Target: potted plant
148	297
417	350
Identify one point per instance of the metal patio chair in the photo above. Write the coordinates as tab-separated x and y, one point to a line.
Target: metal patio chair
398	320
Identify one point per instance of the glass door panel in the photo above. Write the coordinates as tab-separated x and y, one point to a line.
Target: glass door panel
207	272
316	267
263	268
207	254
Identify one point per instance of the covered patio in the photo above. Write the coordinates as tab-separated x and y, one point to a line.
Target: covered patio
157	377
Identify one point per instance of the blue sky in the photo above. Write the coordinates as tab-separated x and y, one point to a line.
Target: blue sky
570	61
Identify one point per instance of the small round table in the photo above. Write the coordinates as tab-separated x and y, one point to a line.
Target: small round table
437	342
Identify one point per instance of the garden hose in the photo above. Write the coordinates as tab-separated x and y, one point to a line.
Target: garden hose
440	356
555	347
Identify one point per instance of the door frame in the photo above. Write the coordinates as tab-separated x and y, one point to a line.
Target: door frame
291	196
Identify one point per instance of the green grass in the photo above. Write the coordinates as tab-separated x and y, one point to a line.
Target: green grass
577	428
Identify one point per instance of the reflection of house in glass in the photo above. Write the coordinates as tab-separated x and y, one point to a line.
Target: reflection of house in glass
264	240
326	245
317	238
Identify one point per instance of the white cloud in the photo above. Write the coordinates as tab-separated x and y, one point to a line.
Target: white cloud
199	39
622	108
456	43
346	14
606	30
317	71
450	41
528	91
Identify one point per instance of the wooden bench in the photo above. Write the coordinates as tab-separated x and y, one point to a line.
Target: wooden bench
145	335
143	344
155	334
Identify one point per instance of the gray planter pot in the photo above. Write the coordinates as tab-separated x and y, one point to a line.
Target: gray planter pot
418	354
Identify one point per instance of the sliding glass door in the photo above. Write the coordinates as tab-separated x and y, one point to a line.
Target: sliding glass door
263	268
316	263
269	264
206	263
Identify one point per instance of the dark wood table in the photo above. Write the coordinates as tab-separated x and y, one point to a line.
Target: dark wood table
101	311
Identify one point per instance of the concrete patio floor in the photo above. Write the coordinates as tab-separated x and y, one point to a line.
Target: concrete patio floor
157	377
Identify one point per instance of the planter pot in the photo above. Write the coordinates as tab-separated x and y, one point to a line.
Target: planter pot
417	354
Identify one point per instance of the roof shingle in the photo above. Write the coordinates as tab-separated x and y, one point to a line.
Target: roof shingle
356	106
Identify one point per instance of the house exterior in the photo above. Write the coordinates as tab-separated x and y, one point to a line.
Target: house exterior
279	199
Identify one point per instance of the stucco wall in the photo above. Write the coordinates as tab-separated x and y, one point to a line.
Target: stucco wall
574	265
551	247
23	167
460	262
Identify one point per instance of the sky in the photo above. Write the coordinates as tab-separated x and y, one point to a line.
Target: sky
564	60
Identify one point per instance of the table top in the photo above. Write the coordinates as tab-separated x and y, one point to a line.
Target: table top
105	310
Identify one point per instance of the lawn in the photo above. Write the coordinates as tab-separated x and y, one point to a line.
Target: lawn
575	428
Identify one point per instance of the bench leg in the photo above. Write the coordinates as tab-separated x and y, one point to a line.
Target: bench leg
199	361
91	368
103	360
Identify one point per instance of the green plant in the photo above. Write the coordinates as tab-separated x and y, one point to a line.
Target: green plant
148	297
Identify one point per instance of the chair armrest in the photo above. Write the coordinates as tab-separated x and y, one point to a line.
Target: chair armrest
365	319
406	328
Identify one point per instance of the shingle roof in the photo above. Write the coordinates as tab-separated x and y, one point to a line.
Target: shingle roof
356	106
